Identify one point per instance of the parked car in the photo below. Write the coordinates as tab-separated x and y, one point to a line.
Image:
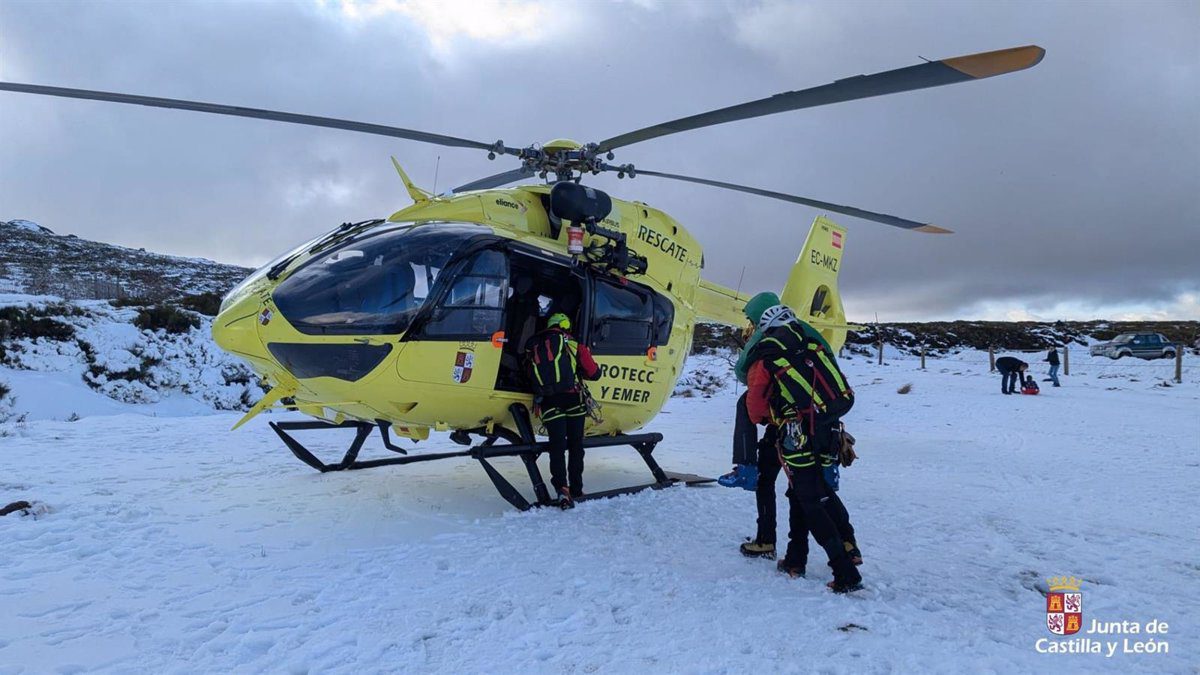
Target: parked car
1141	345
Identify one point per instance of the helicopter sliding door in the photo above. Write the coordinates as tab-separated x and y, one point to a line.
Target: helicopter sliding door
629	322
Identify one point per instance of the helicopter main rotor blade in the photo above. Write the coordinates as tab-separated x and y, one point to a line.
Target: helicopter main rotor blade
256	113
894	221
495	180
930	74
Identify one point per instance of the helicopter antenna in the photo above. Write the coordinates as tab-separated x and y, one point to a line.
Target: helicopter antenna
436	167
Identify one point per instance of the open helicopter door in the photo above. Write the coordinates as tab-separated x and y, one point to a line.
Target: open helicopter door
539	285
811	289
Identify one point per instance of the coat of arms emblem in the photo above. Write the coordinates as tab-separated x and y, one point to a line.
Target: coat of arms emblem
464	362
1064	606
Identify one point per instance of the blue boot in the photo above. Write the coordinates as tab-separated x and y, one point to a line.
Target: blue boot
750	481
743	476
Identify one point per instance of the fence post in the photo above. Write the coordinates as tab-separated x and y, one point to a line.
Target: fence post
1179	364
881	351
922	357
1067	358
991	359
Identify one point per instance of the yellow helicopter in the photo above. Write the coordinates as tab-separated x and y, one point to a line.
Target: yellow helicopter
417	322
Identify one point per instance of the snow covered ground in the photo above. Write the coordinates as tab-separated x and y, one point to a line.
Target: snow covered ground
174	545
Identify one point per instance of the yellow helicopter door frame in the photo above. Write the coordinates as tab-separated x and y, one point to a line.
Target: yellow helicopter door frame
634	381
456	347
524	256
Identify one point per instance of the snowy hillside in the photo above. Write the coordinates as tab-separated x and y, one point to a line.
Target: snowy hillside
177	545
35	260
131	326
65	360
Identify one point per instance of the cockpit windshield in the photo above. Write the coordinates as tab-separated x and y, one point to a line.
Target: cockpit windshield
372	283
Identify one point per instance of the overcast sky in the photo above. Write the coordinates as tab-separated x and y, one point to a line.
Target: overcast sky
1073	187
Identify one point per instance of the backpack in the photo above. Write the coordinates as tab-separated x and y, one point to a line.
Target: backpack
808	384
551	363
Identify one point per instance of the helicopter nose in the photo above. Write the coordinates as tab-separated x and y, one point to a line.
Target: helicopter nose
235	330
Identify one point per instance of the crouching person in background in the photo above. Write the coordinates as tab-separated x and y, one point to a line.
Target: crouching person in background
1012	372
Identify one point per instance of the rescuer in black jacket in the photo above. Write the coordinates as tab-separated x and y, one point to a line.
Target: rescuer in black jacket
1012	373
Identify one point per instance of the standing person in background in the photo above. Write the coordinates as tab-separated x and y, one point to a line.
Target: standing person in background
1012	372
1052	359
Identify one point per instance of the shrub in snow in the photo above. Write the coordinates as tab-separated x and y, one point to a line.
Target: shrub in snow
705	375
7	400
165	317
207	304
32	323
131	302
9	420
115	358
904	389
36	322
713	338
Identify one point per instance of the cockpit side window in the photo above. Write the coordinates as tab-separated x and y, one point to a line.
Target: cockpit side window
473	307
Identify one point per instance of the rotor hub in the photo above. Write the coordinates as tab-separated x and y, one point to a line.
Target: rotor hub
567	159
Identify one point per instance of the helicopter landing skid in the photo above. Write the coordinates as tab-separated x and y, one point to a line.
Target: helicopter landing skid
518	445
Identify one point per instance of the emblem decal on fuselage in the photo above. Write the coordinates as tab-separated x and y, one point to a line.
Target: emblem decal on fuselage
464	362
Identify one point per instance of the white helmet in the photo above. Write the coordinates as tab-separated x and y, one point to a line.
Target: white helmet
775	316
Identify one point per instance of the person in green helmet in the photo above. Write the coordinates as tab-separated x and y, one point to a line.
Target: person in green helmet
767	315
793	383
764	311
557	364
756	465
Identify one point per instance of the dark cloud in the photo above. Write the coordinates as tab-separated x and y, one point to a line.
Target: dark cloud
1075	184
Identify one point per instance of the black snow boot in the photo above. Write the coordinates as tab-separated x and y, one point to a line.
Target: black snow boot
846	578
792	569
565	501
845	575
853	552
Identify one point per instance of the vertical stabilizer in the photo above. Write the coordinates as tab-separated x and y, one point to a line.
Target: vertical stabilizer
417	194
811	289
